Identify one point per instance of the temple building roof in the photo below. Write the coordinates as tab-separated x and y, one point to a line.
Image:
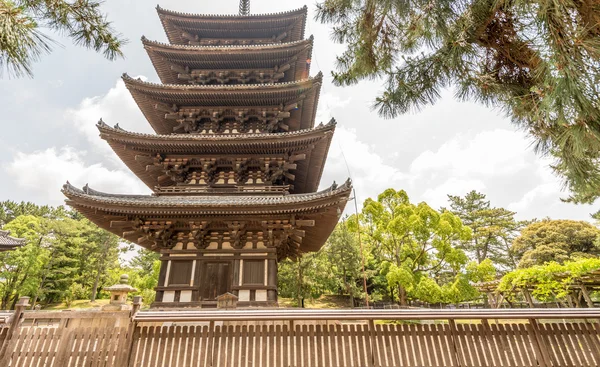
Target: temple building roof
169	60
9	243
184	28
159	102
112	212
137	150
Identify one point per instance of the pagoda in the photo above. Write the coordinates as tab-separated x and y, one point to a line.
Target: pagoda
10	243
235	163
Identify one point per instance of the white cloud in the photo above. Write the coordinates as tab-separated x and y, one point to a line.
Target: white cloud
438	197
370	174
115	107
44	172
490	153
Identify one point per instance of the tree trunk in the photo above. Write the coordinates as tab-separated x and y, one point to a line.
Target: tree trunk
98	270
402	295
95	287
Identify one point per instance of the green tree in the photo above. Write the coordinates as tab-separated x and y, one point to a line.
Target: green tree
9	210
494	229
20	269
308	276
343	254
538	60
556	240
21	39
416	240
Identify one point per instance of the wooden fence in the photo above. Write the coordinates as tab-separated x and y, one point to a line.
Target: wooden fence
308	338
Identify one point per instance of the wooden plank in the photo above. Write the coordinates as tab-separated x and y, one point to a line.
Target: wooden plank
570	348
49	351
558	345
591	349
243	349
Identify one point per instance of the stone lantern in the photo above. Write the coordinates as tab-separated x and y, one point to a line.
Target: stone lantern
118	295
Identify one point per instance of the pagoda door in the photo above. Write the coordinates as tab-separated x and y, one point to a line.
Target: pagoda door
216	280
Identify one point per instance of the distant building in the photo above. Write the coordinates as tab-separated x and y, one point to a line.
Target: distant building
9	243
235	162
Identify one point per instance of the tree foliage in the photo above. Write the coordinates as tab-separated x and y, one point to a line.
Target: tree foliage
494	229
22	42
556	240
549	282
415	239
538	60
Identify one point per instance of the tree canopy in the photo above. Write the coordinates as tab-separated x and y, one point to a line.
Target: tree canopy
556	240
494	229
22	41
538	60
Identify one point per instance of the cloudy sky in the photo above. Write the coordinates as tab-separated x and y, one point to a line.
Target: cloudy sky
49	133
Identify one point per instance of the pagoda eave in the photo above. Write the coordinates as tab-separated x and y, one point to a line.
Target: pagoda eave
315	214
281	27
163	105
169	60
139	151
10	243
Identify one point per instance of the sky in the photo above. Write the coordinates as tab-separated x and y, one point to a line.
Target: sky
450	148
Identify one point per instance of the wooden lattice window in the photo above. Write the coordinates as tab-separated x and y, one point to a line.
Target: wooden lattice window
254	272
181	272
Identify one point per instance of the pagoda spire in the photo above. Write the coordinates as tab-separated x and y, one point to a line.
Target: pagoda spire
244	7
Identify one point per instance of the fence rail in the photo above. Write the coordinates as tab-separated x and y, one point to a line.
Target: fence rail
302	338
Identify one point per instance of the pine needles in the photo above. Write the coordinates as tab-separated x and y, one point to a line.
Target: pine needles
21	42
538	60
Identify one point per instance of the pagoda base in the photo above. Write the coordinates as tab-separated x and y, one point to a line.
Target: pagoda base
191	277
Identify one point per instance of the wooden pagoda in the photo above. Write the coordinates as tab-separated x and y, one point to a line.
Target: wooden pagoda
235	162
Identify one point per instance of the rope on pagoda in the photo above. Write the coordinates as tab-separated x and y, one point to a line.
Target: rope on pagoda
244	7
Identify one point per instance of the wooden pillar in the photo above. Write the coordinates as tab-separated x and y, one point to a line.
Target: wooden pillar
586	296
10	339
162	277
528	298
272	280
236	276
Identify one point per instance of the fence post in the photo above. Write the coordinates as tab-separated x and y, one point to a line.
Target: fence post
10	340
129	336
539	344
456	355
372	341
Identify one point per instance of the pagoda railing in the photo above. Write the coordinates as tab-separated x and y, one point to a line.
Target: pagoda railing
296	337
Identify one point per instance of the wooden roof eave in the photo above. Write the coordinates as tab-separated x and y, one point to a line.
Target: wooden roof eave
171	20
148	95
163	56
128	146
324	207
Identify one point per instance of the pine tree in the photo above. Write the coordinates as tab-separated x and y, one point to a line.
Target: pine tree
494	229
22	42
538	60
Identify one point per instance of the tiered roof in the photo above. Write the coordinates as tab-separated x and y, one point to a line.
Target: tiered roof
177	63
9	243
186	28
160	102
105	209
132	148
235	137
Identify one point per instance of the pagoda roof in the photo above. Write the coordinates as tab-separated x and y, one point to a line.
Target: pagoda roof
313	142
325	205
264	56
256	26
9	243
147	95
